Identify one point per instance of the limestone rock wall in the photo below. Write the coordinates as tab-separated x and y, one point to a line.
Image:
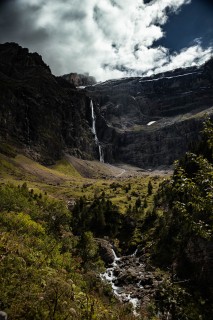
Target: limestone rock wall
42	114
79	79
152	121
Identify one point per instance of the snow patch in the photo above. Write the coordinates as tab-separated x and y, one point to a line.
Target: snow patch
150	123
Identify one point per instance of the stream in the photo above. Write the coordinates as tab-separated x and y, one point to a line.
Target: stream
131	277
126	275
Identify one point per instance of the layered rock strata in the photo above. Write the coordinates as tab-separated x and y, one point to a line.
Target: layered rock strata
41	113
148	122
151	121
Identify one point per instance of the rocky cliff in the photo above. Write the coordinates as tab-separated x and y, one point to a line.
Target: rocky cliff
42	114
79	79
152	121
148	122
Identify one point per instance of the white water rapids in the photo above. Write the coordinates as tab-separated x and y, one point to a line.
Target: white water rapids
121	292
101	155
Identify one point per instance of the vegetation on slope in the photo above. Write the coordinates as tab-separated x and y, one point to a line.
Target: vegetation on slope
183	233
45	271
49	259
187	201
49	268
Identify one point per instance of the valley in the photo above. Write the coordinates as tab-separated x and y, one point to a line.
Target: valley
71	178
106	193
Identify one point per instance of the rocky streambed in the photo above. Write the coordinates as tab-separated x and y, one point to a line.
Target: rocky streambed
131	278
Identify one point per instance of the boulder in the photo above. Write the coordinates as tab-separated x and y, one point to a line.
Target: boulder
105	251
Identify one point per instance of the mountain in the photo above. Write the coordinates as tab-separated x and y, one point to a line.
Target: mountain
152	121
79	79
41	114
147	122
61	225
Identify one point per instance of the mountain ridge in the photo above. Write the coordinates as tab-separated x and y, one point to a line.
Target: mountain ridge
146	122
152	121
42	114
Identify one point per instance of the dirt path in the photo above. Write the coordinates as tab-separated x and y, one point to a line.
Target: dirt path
121	173
96	169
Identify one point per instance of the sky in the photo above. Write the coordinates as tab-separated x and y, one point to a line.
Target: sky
111	38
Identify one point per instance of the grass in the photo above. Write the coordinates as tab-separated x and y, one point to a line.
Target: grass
64	182
7	149
66	168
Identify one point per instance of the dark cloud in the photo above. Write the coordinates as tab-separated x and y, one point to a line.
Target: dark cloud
16	25
75	15
115	47
37	36
4	2
97	13
98	16
147	1
114	3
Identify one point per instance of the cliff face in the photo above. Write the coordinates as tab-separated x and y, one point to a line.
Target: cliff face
79	79
42	114
151	121
146	122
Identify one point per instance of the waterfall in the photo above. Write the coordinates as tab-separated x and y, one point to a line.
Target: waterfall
101	154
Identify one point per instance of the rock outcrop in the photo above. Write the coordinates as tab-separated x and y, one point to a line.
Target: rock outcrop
152	121
40	113
79	79
105	251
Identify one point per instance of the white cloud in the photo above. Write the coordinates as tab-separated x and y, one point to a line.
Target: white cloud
97	36
192	56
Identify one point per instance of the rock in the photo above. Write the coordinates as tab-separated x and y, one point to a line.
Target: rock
130	277
147	281
79	79
105	251
3	315
151	121
147	122
42	114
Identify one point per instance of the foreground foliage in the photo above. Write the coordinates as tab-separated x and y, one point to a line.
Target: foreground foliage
184	232
41	271
49	259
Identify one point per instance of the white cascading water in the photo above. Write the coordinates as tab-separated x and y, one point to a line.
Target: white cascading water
119	292
101	155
